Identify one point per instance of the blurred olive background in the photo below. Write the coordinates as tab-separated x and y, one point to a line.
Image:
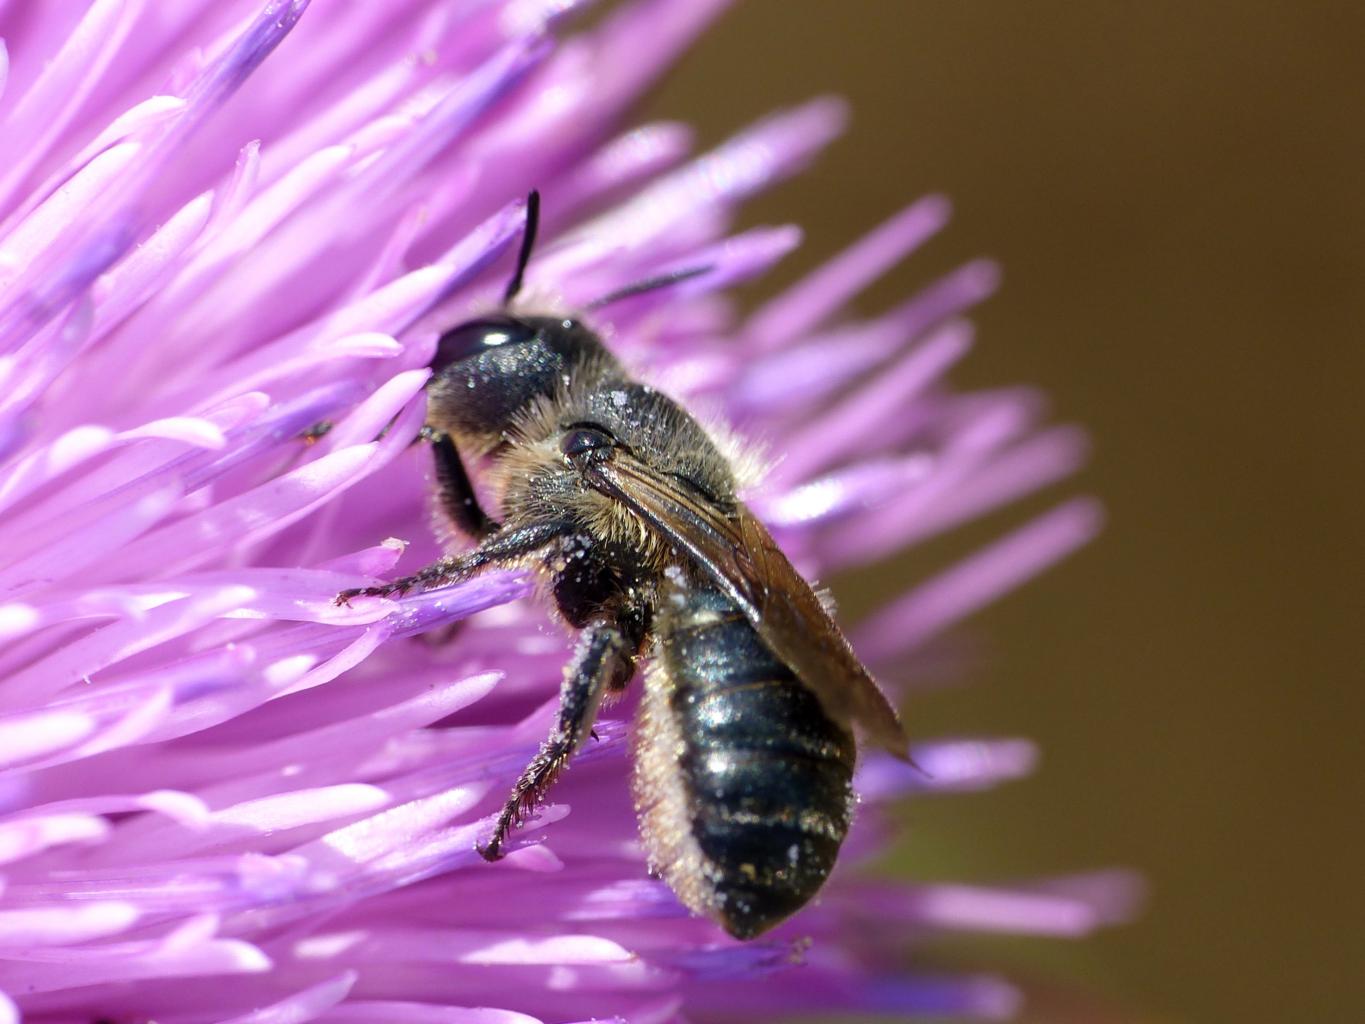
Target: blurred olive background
1175	193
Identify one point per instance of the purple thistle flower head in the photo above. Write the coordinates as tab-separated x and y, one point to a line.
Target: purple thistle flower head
223	797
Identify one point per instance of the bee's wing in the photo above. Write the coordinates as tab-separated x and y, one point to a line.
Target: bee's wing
739	555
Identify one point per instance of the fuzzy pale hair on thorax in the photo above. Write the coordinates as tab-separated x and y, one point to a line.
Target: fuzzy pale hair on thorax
748	459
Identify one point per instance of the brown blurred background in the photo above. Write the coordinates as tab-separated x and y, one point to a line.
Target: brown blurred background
1175	192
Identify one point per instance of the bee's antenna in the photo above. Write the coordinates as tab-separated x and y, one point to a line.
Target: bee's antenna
528	242
649	285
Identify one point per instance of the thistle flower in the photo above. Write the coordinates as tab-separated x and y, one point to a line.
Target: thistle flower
226	222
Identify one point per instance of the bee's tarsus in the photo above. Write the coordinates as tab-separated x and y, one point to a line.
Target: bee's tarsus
491	852
343	599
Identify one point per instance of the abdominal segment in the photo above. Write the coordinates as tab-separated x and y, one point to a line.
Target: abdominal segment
742	783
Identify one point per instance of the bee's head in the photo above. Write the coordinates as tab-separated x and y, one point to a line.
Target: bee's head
488	371
473	338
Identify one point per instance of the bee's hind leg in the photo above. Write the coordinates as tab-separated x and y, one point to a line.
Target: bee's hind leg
604	660
505	547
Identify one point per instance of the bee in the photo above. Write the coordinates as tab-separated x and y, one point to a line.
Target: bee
626	507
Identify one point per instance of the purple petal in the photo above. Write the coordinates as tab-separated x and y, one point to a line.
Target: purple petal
379	1012
69	204
935	605
113	230
634	157
39	467
772	149
858	487
979	909
302	1006
950	766
48	105
252	516
31	736
810	303
91	538
1020	470
64	926
29	836
846	428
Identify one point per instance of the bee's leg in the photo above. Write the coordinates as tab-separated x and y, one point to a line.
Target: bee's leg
501	548
457	496
605	660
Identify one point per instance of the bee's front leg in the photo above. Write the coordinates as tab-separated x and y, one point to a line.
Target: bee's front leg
458	500
505	547
604	660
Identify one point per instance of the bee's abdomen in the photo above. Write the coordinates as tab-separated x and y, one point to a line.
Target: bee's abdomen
764	774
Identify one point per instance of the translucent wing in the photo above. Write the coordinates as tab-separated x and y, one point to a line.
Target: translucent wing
739	555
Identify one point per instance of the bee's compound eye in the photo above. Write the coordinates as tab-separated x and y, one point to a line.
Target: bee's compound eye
476	336
581	440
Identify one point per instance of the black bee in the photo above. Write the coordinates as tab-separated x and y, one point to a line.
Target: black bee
744	752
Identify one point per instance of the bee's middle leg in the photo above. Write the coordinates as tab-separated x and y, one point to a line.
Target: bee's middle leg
604	660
